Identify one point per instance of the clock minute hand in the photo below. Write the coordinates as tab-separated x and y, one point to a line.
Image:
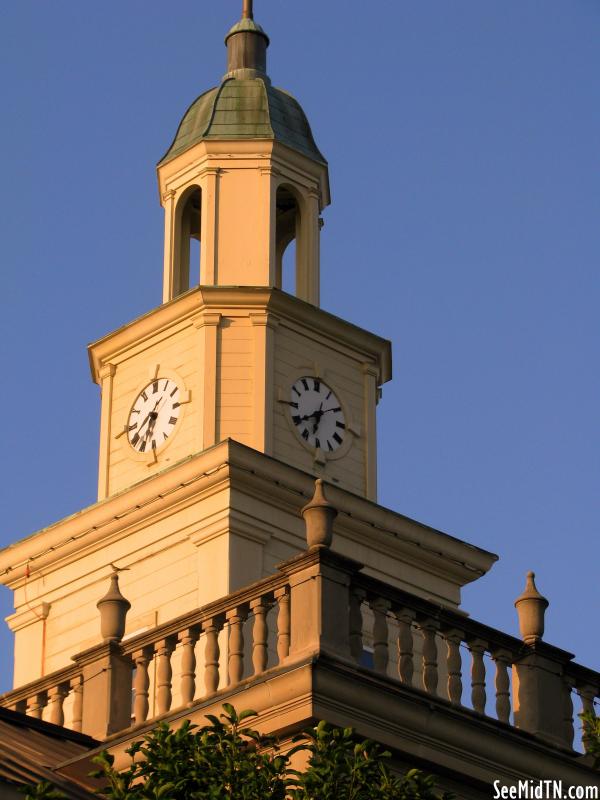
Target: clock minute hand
148	416
317	415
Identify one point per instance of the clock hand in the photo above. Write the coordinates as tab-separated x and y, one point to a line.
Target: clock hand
337	408
148	416
317	415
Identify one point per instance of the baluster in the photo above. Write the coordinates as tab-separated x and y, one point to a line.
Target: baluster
406	667
56	699
454	664
77	713
36	705
429	628
260	635
587	693
357	597
211	655
568	729
478	697
141	705
283	623
380	607
188	639
503	660
164	674
236	618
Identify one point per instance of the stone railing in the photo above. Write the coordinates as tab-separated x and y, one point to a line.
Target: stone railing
120	683
318	604
430	648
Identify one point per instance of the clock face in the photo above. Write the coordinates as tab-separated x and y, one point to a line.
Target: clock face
154	415
317	414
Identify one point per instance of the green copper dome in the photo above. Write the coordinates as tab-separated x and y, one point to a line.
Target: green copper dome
245	109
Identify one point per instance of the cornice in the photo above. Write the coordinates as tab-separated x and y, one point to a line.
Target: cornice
206	302
233	466
218	154
35	612
135	506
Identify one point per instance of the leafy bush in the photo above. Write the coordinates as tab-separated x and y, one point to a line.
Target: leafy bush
591	734
341	768
227	759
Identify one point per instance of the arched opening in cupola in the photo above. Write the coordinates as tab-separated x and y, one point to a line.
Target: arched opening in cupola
188	241
287	239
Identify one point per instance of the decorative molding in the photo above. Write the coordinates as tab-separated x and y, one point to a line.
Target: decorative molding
207	319
264	319
107	370
291	311
28	616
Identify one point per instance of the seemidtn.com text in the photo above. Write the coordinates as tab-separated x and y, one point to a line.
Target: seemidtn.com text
544	790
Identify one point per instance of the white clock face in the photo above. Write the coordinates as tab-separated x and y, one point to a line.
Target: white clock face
154	415
317	414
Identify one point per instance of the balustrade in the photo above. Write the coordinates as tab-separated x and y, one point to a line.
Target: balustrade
425	647
260	644
211	656
478	692
36	705
236	619
454	661
141	685
282	596
405	618
56	699
503	661
380	608
429	646
188	639
76	687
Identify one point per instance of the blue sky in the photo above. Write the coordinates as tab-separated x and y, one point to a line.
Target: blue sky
462	139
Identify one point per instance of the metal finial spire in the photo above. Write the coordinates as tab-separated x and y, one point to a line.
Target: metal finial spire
247	47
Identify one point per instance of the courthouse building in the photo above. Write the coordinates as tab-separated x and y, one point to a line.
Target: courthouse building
237	552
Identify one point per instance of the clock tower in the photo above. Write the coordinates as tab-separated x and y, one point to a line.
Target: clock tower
220	407
229	354
237	512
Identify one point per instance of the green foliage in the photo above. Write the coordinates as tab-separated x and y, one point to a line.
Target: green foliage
190	763
227	759
591	734
42	791
342	768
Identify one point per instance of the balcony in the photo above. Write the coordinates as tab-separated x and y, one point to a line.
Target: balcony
320	639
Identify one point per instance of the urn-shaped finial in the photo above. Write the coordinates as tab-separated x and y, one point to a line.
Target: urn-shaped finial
319	515
531	607
113	609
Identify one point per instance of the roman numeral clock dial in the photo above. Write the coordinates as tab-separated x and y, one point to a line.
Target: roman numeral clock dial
317	414
154	415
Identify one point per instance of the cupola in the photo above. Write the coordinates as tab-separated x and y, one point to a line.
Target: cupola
242	179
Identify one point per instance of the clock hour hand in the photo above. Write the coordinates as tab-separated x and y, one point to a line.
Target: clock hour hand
317	415
149	415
